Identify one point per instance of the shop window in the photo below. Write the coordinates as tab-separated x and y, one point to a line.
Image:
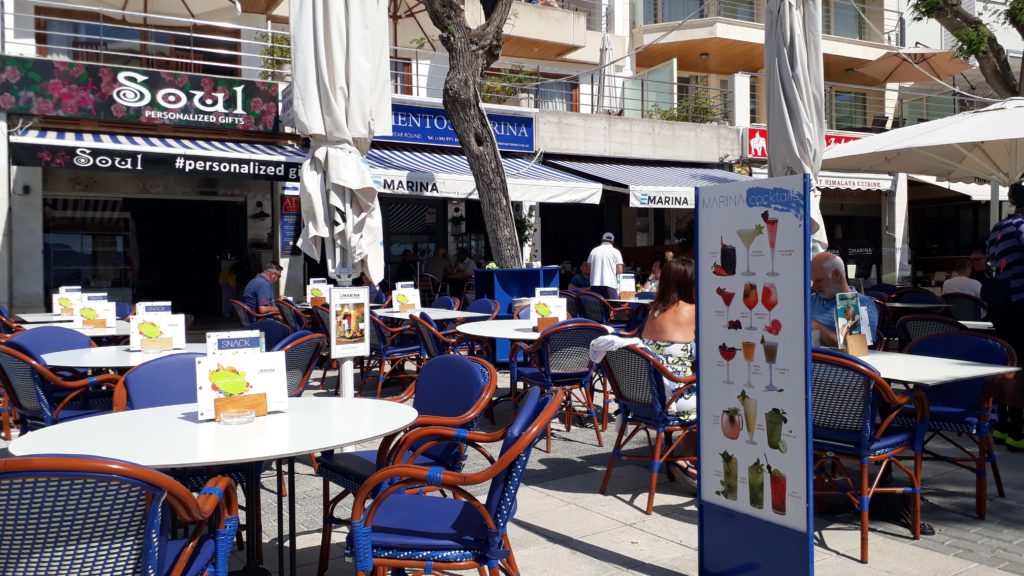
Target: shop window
91	37
843	18
849	110
401	77
86	242
737	10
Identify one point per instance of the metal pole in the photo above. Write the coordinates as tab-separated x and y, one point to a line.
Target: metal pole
346	388
993	205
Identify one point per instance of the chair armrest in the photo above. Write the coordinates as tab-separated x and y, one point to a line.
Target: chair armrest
79	386
692	381
217	502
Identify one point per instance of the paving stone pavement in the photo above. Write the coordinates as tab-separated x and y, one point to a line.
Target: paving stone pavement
564	526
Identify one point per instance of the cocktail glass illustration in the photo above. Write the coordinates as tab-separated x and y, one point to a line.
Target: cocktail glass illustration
727	296
748	356
773	421
769	298
749	404
727	353
771	354
750	301
778	483
730	476
755	482
772	223
747	236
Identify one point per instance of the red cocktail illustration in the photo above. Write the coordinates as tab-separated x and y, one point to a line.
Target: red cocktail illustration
778	480
769	298
727	353
727	297
772	223
750	301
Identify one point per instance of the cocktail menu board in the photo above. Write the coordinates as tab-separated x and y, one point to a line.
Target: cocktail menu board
753	364
350	336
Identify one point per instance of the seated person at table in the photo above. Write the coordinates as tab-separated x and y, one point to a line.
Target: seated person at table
438	265
670	330
581	281
466	266
828	278
406	271
651	285
259	292
962	283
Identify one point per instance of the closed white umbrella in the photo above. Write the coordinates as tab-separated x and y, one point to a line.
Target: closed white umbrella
979	145
341	100
606	100
795	81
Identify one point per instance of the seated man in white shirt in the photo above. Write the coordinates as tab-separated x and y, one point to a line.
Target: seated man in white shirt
962	283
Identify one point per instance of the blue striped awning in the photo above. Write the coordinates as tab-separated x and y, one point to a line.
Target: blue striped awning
424	171
163	145
650	184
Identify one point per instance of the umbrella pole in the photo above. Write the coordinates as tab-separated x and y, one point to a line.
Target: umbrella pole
345	380
993	205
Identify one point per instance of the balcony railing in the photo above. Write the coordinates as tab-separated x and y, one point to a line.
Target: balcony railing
597	11
66	30
852	19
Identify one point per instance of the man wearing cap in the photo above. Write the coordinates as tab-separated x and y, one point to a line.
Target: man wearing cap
605	266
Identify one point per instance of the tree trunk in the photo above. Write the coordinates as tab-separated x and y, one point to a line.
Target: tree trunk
470	52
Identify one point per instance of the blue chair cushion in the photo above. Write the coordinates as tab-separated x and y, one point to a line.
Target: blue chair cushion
427	523
351	469
78	413
533	375
201	558
403	350
849	442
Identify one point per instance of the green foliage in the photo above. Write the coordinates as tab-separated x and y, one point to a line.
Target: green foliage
698	107
1014	14
971	41
924	9
277	54
497	87
524	228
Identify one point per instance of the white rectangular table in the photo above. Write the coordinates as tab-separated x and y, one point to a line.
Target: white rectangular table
928	370
40	318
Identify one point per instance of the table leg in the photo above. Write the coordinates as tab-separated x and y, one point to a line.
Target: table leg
280	519
291	515
253	530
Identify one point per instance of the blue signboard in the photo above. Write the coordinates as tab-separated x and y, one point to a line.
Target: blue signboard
753	415
424	125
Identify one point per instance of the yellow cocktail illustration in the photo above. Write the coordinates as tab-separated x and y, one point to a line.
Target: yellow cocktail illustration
749	405
747	237
748	356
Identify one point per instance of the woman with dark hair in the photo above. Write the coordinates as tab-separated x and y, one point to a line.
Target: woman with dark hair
670	330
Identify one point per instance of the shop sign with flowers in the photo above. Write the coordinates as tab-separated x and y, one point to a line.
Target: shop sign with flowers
41	87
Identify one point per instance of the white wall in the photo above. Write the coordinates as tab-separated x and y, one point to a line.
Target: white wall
27	240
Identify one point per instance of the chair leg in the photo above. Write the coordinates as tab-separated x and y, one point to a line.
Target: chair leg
616	451
981	483
659	442
915	502
325	534
991	457
864	487
513	568
589	401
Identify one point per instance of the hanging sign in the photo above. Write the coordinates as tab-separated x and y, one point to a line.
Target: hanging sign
157	332
753	413
350	336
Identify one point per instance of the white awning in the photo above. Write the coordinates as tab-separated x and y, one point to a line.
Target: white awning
979	192
649	184
444	173
843	180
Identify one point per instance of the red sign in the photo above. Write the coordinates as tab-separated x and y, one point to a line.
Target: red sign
757	141
290	204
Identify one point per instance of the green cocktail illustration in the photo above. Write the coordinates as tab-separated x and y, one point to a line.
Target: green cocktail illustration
730	476
773	421
755	480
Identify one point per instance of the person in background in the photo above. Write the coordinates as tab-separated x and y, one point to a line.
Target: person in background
581	281
979	266
651	285
605	266
438	265
259	292
466	266
1005	299
962	282
828	278
406	271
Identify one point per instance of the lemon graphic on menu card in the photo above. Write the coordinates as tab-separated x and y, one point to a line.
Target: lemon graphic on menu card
543	310
402	299
89	314
64	302
228	381
316	293
150	330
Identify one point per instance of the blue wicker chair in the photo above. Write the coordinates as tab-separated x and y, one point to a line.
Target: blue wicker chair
433	342
76	515
406	527
388	346
301	352
965	407
274	331
451	391
295	319
246	315
470	344
638	380
853	412
44	398
914	326
593	306
560	358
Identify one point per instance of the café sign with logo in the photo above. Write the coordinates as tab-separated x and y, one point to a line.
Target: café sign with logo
42	87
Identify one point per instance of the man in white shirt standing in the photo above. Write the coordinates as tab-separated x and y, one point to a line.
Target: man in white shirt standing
605	266
962	283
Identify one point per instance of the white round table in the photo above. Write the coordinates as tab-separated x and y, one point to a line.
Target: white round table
171	437
436	314
121	328
110	356
40	318
505	329
928	370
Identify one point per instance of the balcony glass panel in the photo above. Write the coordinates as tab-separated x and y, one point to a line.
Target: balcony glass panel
849	110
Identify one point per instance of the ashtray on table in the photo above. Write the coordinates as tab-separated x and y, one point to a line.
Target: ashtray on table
237	416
